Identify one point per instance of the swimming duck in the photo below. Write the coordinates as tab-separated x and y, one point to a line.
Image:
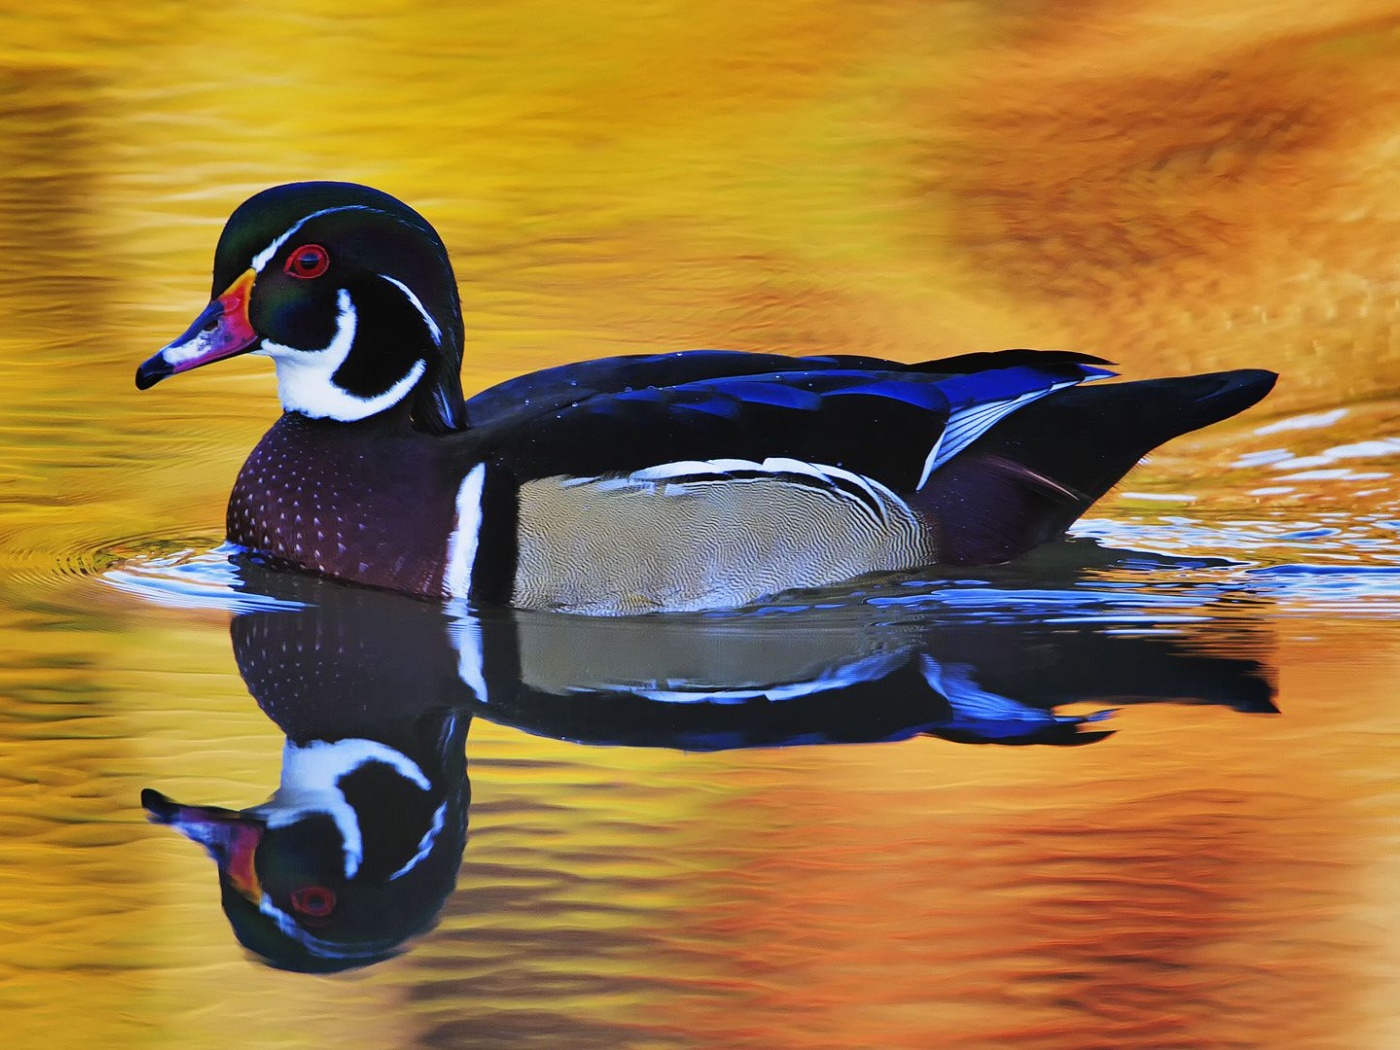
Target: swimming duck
675	481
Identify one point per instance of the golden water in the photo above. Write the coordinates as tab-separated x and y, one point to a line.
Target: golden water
1172	184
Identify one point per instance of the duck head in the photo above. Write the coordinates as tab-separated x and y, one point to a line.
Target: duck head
351	294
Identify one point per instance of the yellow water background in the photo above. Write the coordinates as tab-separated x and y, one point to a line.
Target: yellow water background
1176	185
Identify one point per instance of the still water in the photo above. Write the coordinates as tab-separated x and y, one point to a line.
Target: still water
1139	791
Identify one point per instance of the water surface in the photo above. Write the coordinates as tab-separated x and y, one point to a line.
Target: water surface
956	846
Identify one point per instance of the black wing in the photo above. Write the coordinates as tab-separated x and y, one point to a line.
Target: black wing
894	423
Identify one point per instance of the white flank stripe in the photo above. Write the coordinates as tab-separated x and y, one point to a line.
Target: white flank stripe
697	471
877	491
462	544
786	465
433	328
688	468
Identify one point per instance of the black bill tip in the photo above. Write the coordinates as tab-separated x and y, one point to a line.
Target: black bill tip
162	808
152	371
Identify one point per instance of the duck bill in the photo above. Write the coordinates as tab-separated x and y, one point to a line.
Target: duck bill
222	330
231	838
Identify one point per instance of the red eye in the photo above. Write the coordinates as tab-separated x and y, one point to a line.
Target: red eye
313	900
310	260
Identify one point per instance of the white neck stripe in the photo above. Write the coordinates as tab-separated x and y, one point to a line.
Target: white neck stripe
465	538
433	329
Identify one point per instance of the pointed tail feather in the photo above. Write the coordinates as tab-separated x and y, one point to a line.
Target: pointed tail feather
1033	474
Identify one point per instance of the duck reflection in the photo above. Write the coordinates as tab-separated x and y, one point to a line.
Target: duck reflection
358	849
359	846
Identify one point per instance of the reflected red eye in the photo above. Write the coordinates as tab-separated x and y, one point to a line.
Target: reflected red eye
310	260
313	900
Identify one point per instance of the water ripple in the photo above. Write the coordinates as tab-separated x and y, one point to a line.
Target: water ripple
1156	572
192	579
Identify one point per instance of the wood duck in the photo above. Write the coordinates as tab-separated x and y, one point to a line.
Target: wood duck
675	481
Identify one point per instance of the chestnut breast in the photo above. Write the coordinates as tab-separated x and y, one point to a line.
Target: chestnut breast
364	501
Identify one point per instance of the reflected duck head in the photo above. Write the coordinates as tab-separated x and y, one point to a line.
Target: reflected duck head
356	852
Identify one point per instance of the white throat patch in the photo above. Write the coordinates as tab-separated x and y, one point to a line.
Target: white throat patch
305	378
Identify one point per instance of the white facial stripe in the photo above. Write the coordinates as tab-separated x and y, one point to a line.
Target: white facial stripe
433	329
305	380
265	256
462	544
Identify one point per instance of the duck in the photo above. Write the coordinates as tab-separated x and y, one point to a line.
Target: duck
669	482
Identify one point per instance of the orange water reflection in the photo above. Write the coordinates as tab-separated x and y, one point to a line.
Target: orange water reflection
1169	184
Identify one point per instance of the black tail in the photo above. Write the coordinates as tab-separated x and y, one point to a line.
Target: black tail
1033	474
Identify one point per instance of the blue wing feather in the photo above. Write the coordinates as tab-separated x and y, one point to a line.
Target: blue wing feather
979	388
928	396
